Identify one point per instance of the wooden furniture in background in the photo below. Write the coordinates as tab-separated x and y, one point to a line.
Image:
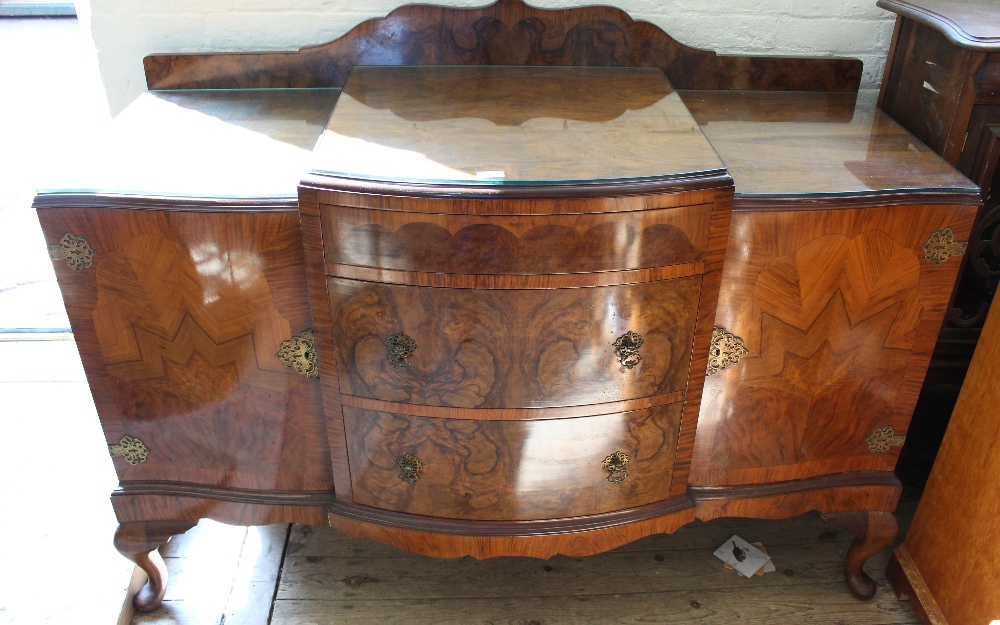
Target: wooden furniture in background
942	83
463	321
947	566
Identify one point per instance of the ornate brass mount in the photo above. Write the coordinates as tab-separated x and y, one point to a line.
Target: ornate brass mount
943	245
725	351
627	347
883	438
409	468
131	449
400	347
615	463
299	354
74	250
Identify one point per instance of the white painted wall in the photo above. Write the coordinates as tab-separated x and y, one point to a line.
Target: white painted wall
124	31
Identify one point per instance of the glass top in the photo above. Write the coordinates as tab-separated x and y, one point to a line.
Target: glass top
814	144
511	125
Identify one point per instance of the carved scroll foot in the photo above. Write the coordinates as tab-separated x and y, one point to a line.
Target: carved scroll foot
873	531
138	542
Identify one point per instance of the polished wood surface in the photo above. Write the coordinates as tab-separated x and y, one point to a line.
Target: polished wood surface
312	248
929	87
972	24
943	87
873	531
138	542
583	541
448	129
508	32
839	312
500	470
515	244
949	552
513	348
261	139
515	291
178	322
841	146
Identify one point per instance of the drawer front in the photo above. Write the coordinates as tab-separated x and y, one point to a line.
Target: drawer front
513	348
510	470
515	244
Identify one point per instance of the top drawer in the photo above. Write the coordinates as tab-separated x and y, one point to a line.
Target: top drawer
514	244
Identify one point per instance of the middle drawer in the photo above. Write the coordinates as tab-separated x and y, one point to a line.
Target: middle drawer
537	348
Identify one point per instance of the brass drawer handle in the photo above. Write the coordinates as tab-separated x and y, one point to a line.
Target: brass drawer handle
400	347
615	464
627	347
409	468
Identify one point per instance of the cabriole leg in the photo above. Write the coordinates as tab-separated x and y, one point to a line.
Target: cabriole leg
138	542
873	531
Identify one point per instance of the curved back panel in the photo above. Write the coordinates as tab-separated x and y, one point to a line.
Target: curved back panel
508	32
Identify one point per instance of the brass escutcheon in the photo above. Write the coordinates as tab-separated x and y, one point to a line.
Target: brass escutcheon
400	347
74	250
299	354
409	468
725	351
627	348
131	449
942	245
883	438
615	463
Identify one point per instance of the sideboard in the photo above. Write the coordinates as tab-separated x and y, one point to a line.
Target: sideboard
549	282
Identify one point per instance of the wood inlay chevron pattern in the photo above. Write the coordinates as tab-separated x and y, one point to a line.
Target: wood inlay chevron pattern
178	324
834	310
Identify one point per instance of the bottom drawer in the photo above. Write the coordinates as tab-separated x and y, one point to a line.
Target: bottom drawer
510	470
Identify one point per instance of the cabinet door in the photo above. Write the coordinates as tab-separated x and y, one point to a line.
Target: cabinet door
838	311
179	317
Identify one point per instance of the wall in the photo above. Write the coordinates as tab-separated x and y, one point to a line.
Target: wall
124	31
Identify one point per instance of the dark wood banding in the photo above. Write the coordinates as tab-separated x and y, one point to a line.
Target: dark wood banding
508	32
600	189
224	493
163	202
511	414
805	485
516	282
839	201
514	529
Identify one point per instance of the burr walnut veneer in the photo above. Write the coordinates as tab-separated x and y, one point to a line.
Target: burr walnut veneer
522	297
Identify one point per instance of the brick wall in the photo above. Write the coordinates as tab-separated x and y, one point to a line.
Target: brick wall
124	31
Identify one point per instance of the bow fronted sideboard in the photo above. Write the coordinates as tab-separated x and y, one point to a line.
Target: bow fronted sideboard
504	281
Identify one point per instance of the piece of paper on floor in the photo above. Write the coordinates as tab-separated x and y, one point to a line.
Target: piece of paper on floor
742	556
767	568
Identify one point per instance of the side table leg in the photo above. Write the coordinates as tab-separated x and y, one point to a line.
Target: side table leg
138	542
873	531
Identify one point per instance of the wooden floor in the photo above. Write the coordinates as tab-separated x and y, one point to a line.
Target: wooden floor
298	575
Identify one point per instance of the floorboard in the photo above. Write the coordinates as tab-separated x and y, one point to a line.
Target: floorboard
326	578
